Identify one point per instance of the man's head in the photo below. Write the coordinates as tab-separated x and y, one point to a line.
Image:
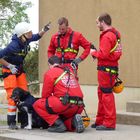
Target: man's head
54	61
104	21
23	29
63	25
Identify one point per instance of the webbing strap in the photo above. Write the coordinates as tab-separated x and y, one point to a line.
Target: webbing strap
118	41
106	90
114	48
59	78
49	109
58	42
70	40
108	69
68	49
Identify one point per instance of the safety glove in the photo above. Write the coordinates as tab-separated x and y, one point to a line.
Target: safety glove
75	63
93	48
46	27
12	68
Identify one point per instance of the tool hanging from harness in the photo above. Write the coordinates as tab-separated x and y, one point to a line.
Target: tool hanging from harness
68	49
86	119
118	86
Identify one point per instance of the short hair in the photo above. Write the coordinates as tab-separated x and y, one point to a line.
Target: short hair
63	20
106	18
54	60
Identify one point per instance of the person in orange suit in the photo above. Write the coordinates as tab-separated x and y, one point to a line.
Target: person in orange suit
12	59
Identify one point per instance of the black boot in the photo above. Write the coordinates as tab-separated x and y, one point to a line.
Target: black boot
58	126
78	123
94	125
102	127
11	120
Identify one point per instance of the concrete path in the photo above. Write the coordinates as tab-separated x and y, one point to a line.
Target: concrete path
123	132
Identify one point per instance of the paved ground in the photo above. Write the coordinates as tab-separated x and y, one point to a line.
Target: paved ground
123	132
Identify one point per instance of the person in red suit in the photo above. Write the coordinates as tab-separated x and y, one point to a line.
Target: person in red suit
108	55
66	44
62	99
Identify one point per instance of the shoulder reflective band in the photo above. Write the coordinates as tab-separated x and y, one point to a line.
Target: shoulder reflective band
67	50
59	78
70	50
113	49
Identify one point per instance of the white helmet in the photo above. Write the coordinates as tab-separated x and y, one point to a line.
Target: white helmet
22	28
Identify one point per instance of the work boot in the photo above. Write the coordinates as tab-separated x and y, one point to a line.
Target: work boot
13	126
102	127
58	126
94	125
11	120
78	123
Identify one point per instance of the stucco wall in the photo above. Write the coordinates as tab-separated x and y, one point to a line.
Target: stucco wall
82	15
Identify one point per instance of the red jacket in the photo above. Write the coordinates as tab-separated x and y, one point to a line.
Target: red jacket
77	40
107	42
60	88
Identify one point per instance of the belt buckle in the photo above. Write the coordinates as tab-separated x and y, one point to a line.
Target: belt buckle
80	102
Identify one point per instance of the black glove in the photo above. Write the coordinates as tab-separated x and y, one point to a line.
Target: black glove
47	27
75	63
93	47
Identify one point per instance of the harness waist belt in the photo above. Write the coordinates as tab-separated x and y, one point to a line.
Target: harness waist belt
67	61
111	69
74	100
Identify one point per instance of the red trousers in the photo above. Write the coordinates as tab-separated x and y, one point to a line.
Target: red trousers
67	111
106	114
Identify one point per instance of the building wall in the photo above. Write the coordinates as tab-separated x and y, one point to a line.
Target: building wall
82	15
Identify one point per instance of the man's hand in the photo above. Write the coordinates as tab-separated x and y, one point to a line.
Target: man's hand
12	68
75	63
93	49
47	27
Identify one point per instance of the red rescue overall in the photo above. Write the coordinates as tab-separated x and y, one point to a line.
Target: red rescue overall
52	93
67	47
106	114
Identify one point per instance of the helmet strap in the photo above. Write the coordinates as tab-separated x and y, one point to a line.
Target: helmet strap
23	38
